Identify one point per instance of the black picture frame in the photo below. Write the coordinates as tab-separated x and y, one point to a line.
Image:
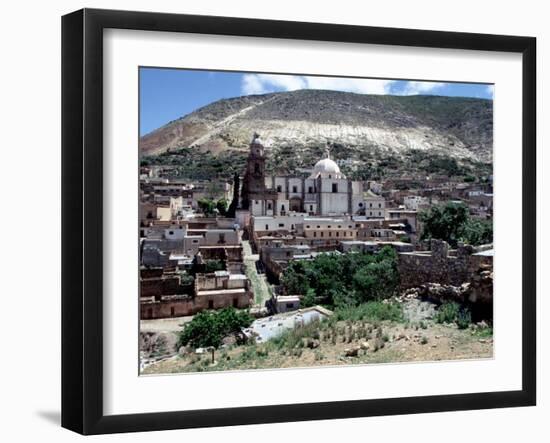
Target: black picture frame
82	190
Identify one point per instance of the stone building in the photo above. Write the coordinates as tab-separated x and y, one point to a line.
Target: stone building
326	192
163	295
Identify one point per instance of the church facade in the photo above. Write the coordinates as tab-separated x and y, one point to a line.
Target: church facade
326	192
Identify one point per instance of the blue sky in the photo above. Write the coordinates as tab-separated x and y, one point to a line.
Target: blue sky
168	94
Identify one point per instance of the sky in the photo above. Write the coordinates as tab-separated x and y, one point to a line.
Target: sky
168	94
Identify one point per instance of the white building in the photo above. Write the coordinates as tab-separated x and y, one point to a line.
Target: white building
325	192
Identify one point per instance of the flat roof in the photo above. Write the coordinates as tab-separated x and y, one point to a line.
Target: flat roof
221	291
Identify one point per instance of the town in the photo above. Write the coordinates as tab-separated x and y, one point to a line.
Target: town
247	245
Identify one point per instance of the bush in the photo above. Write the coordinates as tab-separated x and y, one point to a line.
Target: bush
464	319
451	312
447	312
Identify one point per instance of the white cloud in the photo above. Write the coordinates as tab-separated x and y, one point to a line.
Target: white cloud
264	83
416	88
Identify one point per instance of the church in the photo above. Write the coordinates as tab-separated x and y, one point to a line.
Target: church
326	192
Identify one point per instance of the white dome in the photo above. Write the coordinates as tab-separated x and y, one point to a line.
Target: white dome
327	168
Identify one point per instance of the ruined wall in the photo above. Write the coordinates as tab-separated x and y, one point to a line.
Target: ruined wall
437	266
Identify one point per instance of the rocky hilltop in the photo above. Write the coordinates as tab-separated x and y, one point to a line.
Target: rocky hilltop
300	123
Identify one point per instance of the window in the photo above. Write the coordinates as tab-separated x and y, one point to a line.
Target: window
337	234
380	214
335	187
172	311
307	227
256	168
311	207
370	205
329	226
269	206
288	253
281	225
235	302
330	233
221	238
360	204
171	232
289	305
279	189
379	205
310	189
295	189
282	207
322	234
314	233
267	227
292	227
195	241
210	304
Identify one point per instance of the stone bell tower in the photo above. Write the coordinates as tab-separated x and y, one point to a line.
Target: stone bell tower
254	176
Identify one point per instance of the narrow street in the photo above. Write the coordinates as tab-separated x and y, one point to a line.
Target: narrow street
259	282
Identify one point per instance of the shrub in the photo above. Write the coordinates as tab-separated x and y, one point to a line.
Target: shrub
424	340
447	312
451	312
464	319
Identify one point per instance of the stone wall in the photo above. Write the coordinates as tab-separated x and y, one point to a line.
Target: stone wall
439	266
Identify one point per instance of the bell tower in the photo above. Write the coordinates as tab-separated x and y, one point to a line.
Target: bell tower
254	176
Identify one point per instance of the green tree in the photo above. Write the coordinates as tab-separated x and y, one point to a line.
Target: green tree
309	299
477	232
208	328
451	222
343	279
294	279
213	265
221	206
206	205
236	197
444	222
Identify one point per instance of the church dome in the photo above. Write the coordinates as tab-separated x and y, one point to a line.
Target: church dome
326	168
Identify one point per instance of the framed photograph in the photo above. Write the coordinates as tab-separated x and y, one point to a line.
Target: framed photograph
269	221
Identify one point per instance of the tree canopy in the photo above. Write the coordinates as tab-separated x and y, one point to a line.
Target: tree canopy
452	222
208	328
343	279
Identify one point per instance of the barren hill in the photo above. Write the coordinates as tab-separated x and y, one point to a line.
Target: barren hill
300	123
